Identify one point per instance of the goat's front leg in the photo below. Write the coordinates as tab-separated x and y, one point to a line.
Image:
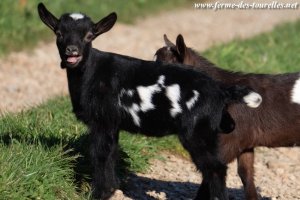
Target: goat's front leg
103	155
213	185
246	173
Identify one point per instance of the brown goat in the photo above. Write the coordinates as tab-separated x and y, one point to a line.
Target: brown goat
276	123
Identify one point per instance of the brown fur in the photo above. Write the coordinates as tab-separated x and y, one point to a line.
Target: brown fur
276	123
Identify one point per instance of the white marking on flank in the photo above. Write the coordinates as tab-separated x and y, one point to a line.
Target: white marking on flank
252	99
190	103
295	95
133	110
130	93
161	81
77	16
173	93
146	93
122	93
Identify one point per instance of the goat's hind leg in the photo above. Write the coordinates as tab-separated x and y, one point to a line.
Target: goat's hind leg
246	173
214	172
103	155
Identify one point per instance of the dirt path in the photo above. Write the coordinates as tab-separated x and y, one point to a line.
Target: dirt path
27	79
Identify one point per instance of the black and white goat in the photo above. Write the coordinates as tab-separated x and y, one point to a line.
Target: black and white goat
274	124
110	92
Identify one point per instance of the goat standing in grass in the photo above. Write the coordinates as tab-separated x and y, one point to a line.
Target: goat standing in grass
110	92
274	124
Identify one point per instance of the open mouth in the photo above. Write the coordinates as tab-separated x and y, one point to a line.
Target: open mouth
73	59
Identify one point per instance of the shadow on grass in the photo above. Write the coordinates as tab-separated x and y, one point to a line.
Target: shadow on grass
133	186
79	149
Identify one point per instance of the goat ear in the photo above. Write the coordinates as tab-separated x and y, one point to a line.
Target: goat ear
180	45
47	17
105	24
168	42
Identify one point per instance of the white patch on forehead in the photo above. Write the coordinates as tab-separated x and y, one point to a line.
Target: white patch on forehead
295	93
190	103
76	16
146	93
173	93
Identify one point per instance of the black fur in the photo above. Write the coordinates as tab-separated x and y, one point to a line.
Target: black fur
107	94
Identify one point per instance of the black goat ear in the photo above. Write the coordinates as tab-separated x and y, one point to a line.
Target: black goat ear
180	45
47	17
105	24
168	42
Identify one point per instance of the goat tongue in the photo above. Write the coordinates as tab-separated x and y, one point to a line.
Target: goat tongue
72	59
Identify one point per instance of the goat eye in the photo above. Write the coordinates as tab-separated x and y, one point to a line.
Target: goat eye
89	37
59	34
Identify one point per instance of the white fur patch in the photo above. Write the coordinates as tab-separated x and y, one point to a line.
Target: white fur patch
77	16
133	110
295	94
146	93
161	81
253	99
190	103
127	92
124	92
173	93
155	57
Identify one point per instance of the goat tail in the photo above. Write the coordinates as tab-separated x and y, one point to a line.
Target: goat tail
243	94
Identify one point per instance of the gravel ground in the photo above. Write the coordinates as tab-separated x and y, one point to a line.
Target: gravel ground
277	178
29	78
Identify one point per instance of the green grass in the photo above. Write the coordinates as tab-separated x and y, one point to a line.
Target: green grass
43	150
46	147
35	172
21	27
274	52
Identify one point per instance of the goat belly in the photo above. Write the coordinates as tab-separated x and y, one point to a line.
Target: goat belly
157	124
152	123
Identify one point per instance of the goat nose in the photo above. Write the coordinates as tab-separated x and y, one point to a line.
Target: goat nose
71	49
